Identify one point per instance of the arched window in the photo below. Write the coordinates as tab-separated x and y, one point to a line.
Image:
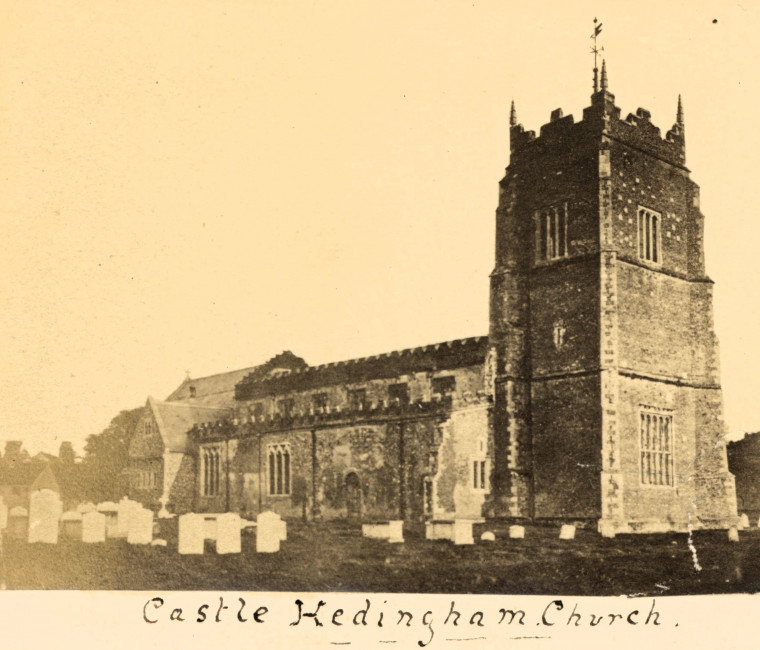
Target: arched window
211	466
656	445
649	235
278	461
552	232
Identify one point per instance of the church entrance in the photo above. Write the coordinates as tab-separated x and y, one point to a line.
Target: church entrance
353	496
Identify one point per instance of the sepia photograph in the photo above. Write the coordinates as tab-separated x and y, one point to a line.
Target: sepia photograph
361	323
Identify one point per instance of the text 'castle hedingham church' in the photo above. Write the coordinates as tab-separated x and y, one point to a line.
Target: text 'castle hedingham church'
595	397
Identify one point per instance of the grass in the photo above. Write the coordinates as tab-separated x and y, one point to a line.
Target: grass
335	557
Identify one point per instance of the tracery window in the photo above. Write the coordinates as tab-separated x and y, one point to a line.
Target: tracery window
656	443
649	223
278	467
552	232
211	470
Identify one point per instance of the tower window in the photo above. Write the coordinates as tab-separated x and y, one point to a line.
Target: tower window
357	399
278	461
211	471
649	235
552	232
656	436
319	402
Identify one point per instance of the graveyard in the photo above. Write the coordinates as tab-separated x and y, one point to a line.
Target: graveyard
124	546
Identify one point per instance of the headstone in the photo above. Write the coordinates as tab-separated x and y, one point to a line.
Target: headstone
3	514
111	511
283	530
395	531
228	533
567	531
488	536
140	526
606	529
93	527
71	525
86	507
439	529
124	512
45	511
743	521
190	534
733	535
18	522
158	542
268	532
462	533
517	532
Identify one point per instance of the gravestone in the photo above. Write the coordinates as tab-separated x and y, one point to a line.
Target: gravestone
124	511
228	533
45	511
190	540
733	535
743	521
3	514
517	532
111	511
71	525
158	542
84	508
461	533
93	527
268	532
488	536
18	522
395	531
140	526
567	531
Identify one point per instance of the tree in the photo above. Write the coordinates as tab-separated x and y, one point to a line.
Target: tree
107	456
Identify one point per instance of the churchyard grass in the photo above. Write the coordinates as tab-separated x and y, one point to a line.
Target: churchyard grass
335	557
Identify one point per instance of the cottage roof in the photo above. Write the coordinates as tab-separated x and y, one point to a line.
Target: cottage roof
175	419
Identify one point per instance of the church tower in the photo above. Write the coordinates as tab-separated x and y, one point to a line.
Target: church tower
607	403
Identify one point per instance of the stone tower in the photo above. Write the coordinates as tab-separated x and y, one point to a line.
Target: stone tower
607	405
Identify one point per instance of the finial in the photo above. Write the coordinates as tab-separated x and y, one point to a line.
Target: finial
513	115
679	112
604	75
595	51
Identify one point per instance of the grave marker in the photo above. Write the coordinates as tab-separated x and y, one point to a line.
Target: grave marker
71	525
93	527
228	533
517	532
268	532
190	534
45	511
567	531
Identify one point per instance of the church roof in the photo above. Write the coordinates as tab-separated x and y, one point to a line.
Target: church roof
440	356
175	419
219	390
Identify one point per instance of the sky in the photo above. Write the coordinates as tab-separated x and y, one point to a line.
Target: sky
199	186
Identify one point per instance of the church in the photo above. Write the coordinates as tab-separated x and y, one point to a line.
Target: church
594	399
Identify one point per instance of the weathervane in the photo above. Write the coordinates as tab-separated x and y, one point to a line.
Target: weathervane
595	51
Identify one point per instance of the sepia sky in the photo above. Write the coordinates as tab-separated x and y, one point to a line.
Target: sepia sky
199	190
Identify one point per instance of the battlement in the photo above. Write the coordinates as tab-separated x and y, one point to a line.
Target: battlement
325	417
601	118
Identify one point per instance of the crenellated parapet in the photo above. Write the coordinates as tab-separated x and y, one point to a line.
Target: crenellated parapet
380	411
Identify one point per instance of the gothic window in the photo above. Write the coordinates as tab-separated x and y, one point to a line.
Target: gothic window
258	410
278	467
479	469
319	401
286	406
398	394
552	232
656	442
444	385
649	235
211	470
357	399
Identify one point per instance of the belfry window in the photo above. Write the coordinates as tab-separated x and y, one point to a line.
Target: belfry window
656	443
278	466
552	232
211	470
649	235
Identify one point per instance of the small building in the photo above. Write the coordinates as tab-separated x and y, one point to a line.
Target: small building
744	464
